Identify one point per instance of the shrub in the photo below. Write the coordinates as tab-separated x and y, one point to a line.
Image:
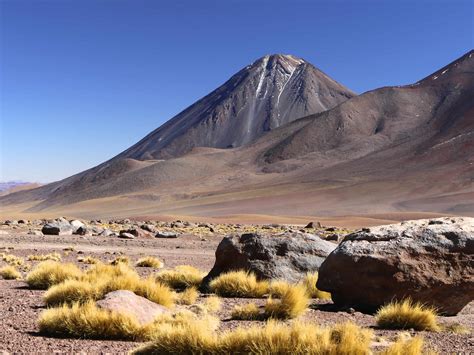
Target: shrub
181	277
292	303
412	346
239	284
88	321
249	311
48	273
188	296
310	283
10	273
42	257
407	314
150	261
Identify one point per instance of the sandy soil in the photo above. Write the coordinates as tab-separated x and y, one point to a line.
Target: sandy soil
20	306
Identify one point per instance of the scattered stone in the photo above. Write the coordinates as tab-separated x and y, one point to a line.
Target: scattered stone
166	235
127	302
107	233
430	261
313	225
81	230
287	256
76	224
333	237
149	228
125	235
137	232
177	224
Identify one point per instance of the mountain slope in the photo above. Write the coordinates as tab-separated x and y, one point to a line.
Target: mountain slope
404	148
271	92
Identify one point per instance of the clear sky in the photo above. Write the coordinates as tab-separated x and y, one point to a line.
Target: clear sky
81	80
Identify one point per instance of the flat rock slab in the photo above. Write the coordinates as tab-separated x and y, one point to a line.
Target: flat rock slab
430	261
123	301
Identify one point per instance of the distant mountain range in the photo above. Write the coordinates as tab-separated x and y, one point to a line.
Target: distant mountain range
282	138
7	185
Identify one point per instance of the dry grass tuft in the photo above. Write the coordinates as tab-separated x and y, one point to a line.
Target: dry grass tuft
48	273
121	260
188	296
413	346
239	284
293	303
457	328
91	322
10	273
154	291
88	260
212	304
102	279
310	283
181	277
88	321
71	291
273	338
249	311
407	314
278	287
42	257
180	339
12	260
150	261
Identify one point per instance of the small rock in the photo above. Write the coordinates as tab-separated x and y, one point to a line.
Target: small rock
127	302
166	235
148	227
333	237
125	235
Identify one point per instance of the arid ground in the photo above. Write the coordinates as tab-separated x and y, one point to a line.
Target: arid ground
20	306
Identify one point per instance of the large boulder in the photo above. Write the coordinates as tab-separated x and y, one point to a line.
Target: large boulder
287	256
430	261
123	301
60	226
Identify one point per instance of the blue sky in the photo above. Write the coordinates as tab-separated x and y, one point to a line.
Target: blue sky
82	80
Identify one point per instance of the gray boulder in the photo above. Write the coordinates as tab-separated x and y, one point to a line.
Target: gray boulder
59	226
127	302
430	261
287	256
